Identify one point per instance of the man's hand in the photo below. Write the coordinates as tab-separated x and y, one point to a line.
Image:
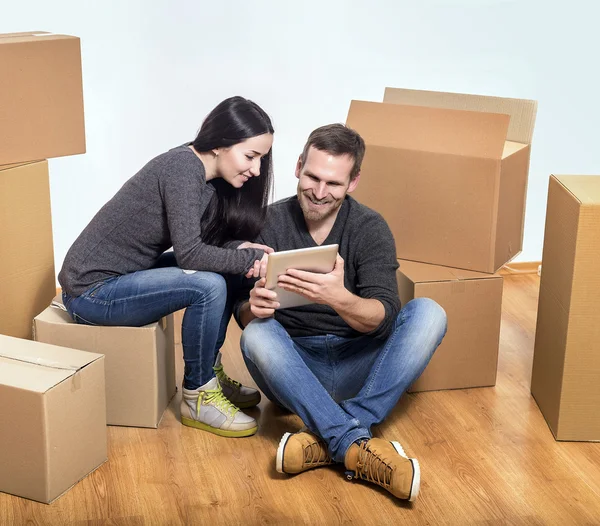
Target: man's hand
326	289
362	314
263	301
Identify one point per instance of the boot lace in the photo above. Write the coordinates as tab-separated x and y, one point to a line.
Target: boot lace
316	453
372	467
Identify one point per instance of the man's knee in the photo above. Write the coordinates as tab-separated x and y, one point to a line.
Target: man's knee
254	338
261	342
431	314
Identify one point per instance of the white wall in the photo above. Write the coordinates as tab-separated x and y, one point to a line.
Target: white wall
153	69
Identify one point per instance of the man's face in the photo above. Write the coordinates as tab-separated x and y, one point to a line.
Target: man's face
323	182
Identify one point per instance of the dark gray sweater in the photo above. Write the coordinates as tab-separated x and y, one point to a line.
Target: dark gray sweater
158	208
367	246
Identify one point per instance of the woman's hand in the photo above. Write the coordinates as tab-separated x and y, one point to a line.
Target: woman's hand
259	269
265	248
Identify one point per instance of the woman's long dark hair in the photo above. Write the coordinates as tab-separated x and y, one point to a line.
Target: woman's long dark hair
235	213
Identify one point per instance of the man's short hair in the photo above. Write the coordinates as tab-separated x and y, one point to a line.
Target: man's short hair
337	139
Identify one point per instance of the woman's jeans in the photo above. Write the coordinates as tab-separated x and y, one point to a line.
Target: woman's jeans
341	387
144	297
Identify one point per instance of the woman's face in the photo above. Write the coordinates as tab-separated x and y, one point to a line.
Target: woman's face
238	163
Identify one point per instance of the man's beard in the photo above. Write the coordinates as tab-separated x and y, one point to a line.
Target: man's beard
317	215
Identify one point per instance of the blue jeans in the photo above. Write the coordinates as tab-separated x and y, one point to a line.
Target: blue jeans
341	387
146	296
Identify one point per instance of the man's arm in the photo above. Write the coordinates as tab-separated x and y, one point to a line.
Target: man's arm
245	315
376	267
363	315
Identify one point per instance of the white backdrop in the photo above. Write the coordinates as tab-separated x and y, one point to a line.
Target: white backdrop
152	70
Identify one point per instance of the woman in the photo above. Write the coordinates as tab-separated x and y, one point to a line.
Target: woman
205	199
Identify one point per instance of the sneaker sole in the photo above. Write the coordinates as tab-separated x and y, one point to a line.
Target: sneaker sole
279	458
215	430
416	481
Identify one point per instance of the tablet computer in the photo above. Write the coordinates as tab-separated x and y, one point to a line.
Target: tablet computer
319	259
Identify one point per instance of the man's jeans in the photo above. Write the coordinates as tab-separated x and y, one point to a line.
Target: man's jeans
146	296
341	387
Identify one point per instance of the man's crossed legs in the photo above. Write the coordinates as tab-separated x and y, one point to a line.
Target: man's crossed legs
341	387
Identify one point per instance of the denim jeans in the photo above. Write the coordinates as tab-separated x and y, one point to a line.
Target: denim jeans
146	296
341	387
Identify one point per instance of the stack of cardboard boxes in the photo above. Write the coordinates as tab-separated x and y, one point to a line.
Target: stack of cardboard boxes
59	392
52	409
41	116
449	173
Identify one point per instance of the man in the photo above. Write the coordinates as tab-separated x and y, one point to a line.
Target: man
341	363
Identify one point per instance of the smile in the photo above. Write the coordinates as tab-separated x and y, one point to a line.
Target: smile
318	203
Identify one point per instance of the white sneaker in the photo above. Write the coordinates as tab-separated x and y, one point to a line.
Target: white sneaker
207	408
240	395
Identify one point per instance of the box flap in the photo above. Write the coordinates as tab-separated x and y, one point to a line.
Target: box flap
585	188
522	112
38	366
31	377
55	313
425	272
457	132
5	167
511	148
29	36
23	34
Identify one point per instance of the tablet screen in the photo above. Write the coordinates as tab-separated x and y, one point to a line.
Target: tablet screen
319	259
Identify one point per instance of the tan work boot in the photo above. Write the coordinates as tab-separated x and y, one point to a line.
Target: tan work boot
300	452
385	464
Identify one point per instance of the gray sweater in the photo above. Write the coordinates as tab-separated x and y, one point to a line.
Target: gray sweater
367	246
158	208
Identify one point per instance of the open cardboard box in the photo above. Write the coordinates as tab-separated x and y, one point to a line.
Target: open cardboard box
448	172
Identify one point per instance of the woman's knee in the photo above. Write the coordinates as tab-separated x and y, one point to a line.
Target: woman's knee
207	287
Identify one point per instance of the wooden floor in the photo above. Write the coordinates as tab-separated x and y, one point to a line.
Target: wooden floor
487	457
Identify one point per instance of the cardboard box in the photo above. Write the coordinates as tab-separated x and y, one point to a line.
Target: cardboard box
140	366
450	182
27	280
53	418
177	321
566	362
41	97
468	355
